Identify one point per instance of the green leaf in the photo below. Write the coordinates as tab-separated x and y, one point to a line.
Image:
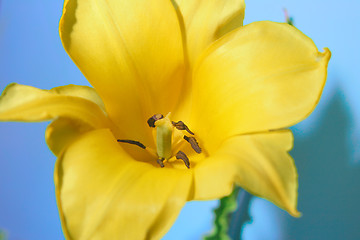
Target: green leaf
223	213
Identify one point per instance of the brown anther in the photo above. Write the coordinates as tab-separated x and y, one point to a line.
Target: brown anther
151	121
181	155
181	126
193	143
160	162
139	144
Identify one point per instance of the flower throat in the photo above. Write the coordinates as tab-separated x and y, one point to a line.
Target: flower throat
164	136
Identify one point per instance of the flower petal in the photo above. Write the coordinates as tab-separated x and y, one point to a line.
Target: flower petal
104	194
62	132
80	91
262	76
259	163
206	21
131	52
25	103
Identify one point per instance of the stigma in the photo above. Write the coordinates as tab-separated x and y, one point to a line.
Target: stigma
164	136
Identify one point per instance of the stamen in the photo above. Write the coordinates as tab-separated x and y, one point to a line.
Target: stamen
151	121
181	126
160	162
139	144
164	129
193	143
181	155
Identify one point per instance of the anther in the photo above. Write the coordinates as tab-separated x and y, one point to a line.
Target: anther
180	125
139	144
151	121
181	155
160	162
193	143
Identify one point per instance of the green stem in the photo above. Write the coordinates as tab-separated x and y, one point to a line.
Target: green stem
241	216
230	216
222	217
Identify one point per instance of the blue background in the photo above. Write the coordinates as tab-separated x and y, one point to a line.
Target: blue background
327	149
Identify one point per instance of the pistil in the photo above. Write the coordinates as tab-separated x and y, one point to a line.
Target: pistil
164	134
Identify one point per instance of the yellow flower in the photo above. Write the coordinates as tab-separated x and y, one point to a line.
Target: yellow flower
235	87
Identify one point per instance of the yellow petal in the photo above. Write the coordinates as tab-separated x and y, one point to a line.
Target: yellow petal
261	76
104	194
131	52
62	132
206	21
259	163
80	91
25	103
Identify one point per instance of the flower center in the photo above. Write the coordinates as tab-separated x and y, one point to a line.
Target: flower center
164	132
